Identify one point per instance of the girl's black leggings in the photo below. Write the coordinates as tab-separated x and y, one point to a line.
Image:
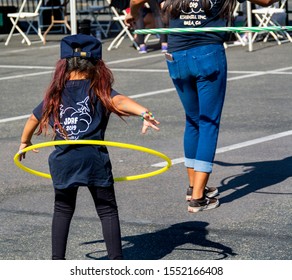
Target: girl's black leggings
106	208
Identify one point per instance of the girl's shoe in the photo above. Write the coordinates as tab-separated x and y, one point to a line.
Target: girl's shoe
209	192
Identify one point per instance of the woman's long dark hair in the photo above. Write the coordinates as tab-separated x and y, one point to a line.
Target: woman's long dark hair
96	71
174	7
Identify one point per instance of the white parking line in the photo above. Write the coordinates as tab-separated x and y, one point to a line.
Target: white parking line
134	59
19	50
234	146
26	67
152	93
251	74
26	75
14	118
248	75
140	70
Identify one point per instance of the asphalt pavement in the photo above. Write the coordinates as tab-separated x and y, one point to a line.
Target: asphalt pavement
253	164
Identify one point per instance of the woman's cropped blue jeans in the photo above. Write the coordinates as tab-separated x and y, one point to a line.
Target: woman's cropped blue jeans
199	75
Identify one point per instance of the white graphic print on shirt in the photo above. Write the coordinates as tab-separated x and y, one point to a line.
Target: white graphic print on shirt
75	121
196	14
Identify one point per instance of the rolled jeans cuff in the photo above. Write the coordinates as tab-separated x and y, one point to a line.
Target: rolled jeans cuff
199	165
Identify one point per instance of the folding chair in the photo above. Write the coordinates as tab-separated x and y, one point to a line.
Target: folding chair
125	29
95	11
265	17
58	21
15	18
59	11
236	34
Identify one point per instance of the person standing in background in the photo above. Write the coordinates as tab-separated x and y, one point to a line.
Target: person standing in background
154	7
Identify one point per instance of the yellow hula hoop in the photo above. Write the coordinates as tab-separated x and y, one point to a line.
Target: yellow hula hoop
94	142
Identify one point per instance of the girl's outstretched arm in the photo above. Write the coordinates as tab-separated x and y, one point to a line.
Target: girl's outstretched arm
28	131
130	107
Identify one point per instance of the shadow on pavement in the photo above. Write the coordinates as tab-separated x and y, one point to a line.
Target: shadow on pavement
256	176
156	245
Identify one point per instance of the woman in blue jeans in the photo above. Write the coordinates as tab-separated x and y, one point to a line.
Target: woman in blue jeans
198	67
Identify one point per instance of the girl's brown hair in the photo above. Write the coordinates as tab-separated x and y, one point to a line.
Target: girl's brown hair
96	71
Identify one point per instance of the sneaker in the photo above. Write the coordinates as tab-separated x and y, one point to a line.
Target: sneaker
209	192
143	49
164	49
197	205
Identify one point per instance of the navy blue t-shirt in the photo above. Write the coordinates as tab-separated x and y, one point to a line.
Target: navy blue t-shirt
80	165
196	17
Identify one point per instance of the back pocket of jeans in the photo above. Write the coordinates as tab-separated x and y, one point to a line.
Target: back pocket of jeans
208	64
173	69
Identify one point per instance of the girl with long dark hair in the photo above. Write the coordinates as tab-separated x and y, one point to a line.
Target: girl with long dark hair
77	105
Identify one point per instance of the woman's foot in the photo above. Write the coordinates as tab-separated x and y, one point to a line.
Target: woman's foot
142	49
197	205
209	192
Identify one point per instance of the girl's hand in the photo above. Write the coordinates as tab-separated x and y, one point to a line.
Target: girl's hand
24	145
149	121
